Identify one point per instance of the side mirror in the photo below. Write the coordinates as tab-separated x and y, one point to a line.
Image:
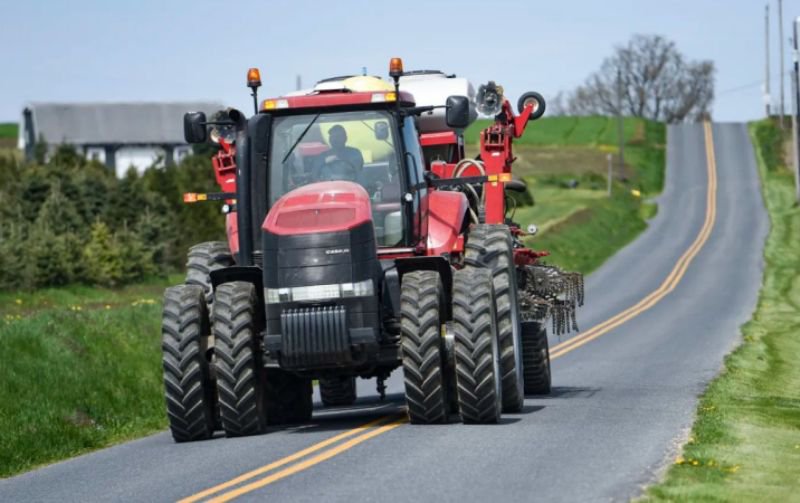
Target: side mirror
194	127
537	100
457	112
382	130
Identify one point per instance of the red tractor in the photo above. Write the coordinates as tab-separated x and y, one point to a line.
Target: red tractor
360	240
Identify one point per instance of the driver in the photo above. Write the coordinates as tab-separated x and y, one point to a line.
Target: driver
340	154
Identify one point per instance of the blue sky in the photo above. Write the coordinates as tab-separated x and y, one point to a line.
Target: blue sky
198	50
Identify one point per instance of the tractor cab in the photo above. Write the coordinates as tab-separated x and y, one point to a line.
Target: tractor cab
371	145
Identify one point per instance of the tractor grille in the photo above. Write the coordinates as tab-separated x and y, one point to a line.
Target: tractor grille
315	336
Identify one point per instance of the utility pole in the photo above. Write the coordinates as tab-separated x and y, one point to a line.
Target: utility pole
796	109
620	124
780	40
298	83
767	97
609	157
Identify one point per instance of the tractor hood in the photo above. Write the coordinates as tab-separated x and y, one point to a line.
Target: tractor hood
319	208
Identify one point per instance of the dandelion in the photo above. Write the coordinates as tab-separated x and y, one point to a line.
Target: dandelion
108	306
679	460
695	462
19	302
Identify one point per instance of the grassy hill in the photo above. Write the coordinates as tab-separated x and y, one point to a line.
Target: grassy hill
582	226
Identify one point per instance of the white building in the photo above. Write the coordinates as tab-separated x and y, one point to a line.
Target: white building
120	135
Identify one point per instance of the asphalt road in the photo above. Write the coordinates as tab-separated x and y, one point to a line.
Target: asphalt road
621	404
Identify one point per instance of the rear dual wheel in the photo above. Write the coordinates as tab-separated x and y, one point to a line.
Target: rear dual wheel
490	246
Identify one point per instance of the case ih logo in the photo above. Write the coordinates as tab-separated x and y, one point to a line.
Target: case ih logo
337	251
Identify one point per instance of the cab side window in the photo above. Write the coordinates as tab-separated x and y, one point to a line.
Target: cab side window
414	159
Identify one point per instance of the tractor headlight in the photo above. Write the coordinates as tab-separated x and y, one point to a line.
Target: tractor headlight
319	292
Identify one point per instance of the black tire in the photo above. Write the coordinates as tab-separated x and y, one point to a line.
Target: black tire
204	258
288	398
188	388
337	391
538	111
536	356
423	347
477	356
240	376
491	247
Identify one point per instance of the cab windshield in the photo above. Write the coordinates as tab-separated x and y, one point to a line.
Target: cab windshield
356	146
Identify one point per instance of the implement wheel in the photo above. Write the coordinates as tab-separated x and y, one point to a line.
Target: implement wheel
421	317
477	357
188	387
288	398
240	376
536	355
491	247
337	391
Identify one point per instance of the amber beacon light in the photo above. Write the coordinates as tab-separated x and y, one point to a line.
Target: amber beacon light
395	67
253	78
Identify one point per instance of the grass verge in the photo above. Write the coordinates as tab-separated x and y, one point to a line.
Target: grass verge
745	443
80	369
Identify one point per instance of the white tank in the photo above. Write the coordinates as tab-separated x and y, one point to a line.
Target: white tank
432	87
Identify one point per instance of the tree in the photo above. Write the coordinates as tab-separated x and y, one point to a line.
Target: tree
657	82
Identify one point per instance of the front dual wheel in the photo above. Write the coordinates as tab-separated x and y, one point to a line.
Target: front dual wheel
476	378
250	397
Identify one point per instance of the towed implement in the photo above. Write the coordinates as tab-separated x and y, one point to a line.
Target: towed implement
361	240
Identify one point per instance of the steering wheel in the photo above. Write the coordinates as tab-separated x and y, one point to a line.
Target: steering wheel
337	169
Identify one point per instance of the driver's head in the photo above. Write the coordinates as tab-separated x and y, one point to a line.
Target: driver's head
337	136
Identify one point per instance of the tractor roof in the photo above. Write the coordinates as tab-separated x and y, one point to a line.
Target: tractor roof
340	92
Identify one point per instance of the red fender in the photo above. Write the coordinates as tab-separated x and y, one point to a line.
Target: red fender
446	213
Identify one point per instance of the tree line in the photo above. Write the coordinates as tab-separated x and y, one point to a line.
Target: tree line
71	220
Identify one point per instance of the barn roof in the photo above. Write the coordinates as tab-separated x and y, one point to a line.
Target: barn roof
114	123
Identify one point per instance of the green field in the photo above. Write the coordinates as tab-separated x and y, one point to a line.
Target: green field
80	365
745	443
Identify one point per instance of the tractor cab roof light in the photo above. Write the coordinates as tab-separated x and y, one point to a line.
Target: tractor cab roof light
383	97
275	104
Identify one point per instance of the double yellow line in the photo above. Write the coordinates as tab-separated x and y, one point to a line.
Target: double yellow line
361	433
674	276
344	441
